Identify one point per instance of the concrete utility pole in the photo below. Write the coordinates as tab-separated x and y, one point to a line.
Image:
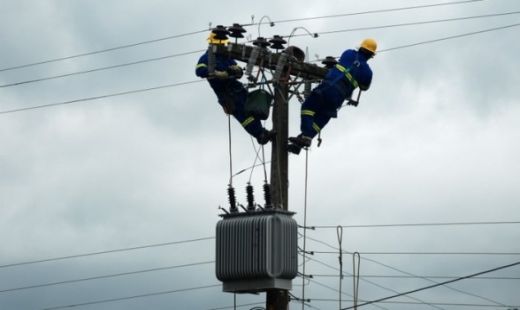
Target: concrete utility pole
277	299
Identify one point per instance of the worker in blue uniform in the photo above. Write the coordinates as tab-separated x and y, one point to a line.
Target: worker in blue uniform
351	72
230	92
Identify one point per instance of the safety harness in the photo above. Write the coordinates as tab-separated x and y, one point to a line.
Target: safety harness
349	78
347	74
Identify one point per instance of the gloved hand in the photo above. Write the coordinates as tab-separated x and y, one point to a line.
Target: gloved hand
235	71
221	74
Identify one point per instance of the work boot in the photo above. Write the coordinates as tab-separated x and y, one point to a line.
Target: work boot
265	136
301	140
293	148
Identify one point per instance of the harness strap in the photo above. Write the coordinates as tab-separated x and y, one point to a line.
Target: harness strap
347	74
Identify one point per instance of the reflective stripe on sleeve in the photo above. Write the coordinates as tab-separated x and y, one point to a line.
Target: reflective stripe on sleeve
308	112
248	121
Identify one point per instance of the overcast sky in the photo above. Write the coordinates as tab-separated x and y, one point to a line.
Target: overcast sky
435	139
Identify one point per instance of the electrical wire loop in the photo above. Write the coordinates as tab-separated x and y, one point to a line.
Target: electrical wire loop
339	232
356	258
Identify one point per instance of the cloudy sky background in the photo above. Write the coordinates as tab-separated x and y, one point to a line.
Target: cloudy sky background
436	139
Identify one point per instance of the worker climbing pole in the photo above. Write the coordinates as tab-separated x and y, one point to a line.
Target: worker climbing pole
351	72
223	73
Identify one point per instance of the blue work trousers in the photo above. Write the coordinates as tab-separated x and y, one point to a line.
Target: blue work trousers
234	102
315	114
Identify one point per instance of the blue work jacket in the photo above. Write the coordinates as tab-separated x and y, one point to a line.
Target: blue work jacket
223	87
351	72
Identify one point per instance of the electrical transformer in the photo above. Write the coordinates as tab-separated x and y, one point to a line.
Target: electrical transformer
257	251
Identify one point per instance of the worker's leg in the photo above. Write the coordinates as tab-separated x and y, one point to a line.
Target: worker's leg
308	114
251	124
320	120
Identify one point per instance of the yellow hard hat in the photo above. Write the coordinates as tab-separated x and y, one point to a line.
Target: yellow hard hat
369	45
212	39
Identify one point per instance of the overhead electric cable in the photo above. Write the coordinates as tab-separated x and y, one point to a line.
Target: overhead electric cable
95	302
191	82
438	284
250	168
238	306
441	39
103	50
449	37
200	51
435	21
100	69
414	277
107	251
421	253
376	11
104	276
99	97
372	283
418	303
411	274
251	24
343	293
421	224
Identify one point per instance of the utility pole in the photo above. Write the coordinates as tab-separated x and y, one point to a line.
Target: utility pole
277	299
279	154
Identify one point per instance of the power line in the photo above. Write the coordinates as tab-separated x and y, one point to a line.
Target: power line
238	306
449	38
411	274
414	277
377	11
438	284
342	293
250	168
420	253
133	297
102	50
191	82
420	224
418	303
251	24
99	97
200	51
414	23
439	40
367	281
105	276
432	281
106	252
100	69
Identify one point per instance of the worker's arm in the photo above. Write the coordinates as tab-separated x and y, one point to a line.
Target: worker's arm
235	71
364	86
365	79
201	70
